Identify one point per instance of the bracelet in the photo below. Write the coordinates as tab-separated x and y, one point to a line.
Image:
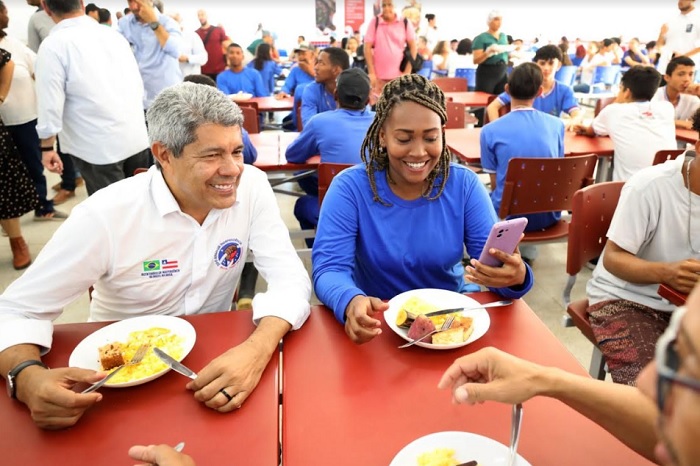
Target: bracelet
47	149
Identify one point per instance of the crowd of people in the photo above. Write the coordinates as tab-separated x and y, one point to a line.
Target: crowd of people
97	104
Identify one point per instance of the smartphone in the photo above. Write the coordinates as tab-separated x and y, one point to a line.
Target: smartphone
504	236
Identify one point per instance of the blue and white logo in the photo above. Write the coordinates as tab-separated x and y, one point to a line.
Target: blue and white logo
228	253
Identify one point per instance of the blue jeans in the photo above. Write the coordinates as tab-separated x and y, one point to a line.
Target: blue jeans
27	141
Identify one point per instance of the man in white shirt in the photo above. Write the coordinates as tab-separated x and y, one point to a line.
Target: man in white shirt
638	126
194	55
90	91
200	209
680	74
681	35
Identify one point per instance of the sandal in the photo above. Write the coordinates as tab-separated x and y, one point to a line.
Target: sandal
49	216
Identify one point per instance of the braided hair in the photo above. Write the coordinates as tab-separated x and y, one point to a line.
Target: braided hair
413	88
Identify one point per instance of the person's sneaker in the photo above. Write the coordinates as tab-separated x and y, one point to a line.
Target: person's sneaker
56	215
62	196
79	181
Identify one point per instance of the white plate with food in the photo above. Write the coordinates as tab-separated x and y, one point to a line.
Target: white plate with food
431	299
454	448
241	96
116	343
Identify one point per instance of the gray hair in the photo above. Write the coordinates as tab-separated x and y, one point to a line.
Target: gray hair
179	110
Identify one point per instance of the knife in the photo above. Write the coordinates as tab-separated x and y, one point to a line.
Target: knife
175	365
462	309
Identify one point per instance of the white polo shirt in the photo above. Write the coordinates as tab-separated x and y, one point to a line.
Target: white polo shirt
90	92
144	256
638	130
687	104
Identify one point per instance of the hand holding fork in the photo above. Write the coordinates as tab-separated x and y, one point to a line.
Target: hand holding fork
138	357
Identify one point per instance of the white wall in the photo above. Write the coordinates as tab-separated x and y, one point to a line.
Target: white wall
549	19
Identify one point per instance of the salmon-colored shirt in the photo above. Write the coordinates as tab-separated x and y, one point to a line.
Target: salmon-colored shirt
389	40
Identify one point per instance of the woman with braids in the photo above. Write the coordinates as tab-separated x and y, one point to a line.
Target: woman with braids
401	220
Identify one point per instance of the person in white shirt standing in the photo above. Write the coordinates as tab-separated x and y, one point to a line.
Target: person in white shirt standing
680	36
172	241
194	55
90	91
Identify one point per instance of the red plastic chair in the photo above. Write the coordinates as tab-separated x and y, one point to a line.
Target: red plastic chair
535	185
251	122
592	210
455	115
602	103
664	155
326	173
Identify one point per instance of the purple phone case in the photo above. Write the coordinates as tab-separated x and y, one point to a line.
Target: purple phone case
504	236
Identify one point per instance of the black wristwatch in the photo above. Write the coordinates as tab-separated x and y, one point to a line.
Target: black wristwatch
12	375
154	25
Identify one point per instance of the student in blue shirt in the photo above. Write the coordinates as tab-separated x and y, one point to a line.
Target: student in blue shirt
267	67
401	220
301	74
523	132
319	96
556	98
237	78
336	136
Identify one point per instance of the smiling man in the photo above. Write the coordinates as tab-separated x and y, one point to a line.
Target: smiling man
200	208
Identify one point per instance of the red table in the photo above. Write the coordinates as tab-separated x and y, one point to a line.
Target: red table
672	295
687	135
271	104
352	405
470	99
161	411
465	144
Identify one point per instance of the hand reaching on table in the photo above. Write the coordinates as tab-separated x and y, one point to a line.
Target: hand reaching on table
683	275
511	273
49	396
360	324
492	375
160	455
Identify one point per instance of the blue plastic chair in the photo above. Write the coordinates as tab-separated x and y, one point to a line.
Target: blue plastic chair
566	75
604	77
469	74
576	61
427	70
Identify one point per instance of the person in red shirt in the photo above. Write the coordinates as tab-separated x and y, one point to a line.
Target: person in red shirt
215	42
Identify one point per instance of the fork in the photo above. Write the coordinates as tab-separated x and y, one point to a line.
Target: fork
138	357
516	421
445	326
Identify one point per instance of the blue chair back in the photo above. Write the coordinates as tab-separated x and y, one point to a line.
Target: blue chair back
566	75
576	61
469	74
427	70
283	52
605	77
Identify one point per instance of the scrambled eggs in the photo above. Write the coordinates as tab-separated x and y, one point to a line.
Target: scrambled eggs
438	457
162	338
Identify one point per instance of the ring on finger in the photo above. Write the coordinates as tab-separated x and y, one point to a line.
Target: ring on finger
226	394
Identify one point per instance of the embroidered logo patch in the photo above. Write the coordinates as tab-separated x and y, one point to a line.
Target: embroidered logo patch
228	253
156	268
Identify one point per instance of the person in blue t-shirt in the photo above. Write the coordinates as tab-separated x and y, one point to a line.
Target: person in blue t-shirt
301	74
266	66
556	97
336	136
401	220
523	132
319	96
238	78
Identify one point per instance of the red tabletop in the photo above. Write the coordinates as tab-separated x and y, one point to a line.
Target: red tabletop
470	99
346	404
161	411
465	144
271	147
672	295
271	104
687	135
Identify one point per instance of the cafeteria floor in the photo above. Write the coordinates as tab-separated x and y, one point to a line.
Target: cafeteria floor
544	298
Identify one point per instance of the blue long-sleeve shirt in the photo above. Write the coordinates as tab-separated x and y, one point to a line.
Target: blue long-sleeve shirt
336	136
247	80
269	71
365	248
296	77
316	99
250	153
158	65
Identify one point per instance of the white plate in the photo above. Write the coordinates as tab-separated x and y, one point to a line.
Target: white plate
467	447
241	96
85	355
443	299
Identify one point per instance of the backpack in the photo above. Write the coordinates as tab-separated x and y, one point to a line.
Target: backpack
417	63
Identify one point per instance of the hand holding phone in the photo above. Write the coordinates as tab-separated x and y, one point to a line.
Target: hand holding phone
504	236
